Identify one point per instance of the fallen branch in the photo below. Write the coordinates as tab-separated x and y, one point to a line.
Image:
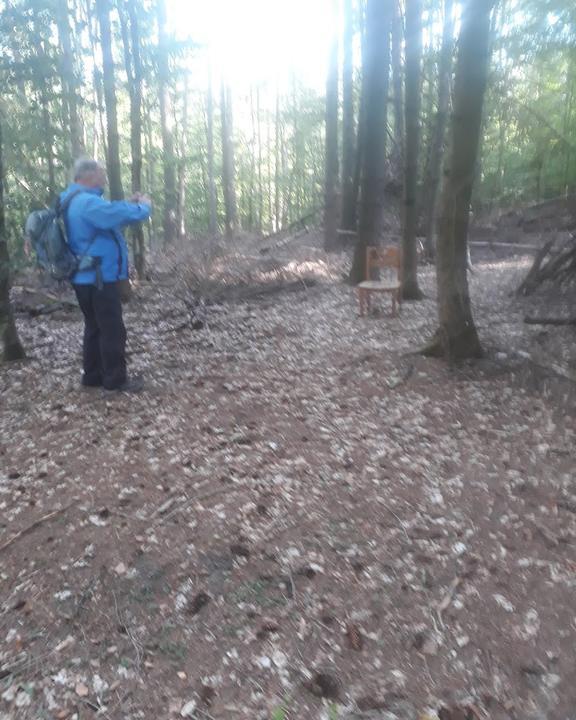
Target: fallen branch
35	525
530	320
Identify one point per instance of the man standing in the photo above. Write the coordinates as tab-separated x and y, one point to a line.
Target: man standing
93	230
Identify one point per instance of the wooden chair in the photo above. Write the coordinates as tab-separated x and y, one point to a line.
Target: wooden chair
390	258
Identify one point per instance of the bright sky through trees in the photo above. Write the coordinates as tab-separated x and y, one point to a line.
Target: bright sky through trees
258	40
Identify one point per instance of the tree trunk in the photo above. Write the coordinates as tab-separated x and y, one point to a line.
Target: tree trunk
228	179
70	81
397	36
277	198
359	156
349	199
40	80
212	200
99	125
410	289
331	209
133	62
260	163
167	123
432	183
10	343
114	167
182	163
457	337
375	89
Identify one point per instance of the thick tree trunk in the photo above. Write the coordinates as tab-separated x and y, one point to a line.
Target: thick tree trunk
212	199
331	209
375	89
349	199
457	337
114	167
432	182
70	81
10	346
133	62
410	289
228	171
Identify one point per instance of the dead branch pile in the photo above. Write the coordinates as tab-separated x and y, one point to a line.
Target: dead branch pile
217	274
554	263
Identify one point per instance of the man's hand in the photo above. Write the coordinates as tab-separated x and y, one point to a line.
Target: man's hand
141	198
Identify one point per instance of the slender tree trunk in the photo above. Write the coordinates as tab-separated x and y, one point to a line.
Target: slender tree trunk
42	87
260	163
277	181
212	200
69	80
375	89
133	62
397	37
114	167
457	337
349	200
228	171
331	209
432	183
11	348
182	163
360	138
410	289
167	123
270	175
99	124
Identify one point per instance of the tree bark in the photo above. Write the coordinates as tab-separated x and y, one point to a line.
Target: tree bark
134	72
40	80
70	81
349	198
457	337
397	36
410	289
277	181
11	346
432	183
212	199
114	167
375	89
331	167
228	172
167	123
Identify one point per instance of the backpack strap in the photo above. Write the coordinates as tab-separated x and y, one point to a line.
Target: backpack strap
62	207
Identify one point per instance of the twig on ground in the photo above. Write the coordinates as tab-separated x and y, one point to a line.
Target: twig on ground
35	525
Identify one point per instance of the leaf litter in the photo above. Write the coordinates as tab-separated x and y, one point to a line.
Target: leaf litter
294	516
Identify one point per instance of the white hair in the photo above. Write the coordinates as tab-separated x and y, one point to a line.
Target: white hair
83	167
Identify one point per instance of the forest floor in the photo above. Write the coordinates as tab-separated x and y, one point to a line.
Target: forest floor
297	519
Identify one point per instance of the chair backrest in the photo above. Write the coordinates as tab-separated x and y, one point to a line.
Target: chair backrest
383	257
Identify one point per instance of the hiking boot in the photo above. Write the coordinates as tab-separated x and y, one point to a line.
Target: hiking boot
134	384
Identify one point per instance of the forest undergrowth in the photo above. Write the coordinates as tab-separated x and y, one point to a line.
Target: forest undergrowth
298	518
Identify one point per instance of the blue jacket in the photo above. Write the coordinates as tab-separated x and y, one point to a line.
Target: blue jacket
93	228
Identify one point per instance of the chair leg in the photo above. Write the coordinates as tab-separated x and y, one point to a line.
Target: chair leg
394	309
368	303
361	302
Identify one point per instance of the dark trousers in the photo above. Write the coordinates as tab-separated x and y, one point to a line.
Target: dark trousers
104	349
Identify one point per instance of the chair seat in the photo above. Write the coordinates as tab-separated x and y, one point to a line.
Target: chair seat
379	285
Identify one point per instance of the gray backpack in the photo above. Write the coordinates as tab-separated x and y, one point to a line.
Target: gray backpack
47	232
